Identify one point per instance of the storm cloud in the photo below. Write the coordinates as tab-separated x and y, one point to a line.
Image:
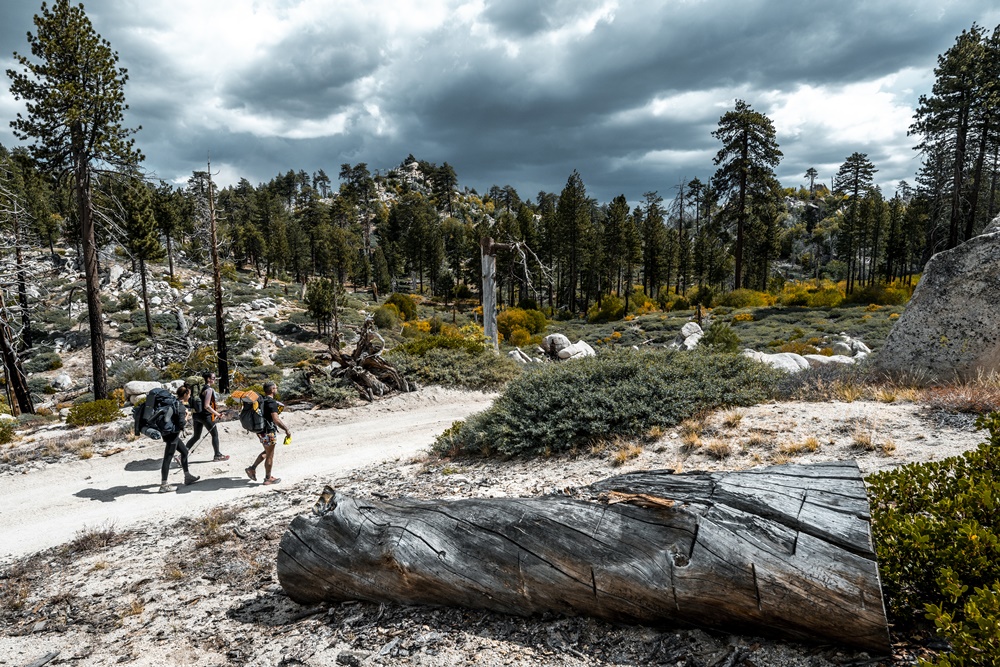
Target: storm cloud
516	92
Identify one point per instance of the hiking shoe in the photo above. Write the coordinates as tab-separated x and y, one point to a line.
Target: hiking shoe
221	457
190	479
166	488
251	473
271	480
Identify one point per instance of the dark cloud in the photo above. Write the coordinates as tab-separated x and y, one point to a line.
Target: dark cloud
627	93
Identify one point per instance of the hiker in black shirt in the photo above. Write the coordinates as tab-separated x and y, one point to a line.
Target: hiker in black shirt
205	417
268	440
173	443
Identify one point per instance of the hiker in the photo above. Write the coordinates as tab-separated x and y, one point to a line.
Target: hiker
268	439
204	418
174	443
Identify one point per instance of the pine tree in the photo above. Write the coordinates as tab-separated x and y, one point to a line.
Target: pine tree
746	165
74	93
853	180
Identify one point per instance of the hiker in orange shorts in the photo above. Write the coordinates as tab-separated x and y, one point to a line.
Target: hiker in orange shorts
268	439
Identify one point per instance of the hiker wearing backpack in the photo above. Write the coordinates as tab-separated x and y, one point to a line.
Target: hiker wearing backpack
268	439
172	439
204	414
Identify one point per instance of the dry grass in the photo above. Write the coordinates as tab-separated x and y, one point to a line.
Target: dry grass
693	426
848	391
175	573
758	441
94	539
978	396
732	419
626	453
99	565
86	453
655	432
718	449
887	448
810	444
690	442
864	439
209	527
134	608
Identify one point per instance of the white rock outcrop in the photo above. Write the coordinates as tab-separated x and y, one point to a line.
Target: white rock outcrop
949	329
577	350
554	344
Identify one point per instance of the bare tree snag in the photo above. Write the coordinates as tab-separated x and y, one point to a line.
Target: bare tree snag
365	367
782	551
16	385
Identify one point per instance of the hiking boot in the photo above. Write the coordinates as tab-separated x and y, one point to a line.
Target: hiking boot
221	457
166	488
190	479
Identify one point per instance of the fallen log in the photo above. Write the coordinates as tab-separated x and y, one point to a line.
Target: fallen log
782	551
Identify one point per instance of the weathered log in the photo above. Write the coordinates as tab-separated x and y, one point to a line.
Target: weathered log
782	551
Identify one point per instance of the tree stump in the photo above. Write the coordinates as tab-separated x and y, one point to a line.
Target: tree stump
782	551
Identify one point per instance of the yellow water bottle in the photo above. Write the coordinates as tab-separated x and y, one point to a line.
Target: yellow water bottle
288	439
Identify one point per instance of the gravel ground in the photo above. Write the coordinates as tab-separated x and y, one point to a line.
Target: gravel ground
201	589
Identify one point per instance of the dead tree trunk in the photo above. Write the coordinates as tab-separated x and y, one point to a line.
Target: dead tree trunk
780	551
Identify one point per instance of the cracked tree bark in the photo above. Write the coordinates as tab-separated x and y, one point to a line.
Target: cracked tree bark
782	551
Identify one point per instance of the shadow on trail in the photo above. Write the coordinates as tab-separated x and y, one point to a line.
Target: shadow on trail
212	484
143	465
116	492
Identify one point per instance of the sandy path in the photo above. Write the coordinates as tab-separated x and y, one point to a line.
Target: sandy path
48	507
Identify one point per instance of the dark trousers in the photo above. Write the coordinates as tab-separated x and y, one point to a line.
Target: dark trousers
201	423
173	444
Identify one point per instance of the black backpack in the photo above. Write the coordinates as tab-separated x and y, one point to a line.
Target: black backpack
162	414
251	412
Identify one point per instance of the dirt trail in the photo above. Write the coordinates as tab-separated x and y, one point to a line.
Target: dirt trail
48	507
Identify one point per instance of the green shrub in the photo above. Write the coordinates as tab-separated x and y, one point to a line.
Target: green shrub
745	298
882	295
721	337
43	361
327	392
94	412
454	366
421	346
39	385
532	321
404	304
289	356
124	371
7	428
935	527
259	374
610	309
557	407
128	301
134	336
386	317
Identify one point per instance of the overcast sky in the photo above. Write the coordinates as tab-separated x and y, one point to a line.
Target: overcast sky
515	92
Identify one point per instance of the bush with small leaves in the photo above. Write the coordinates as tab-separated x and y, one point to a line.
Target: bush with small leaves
103	411
937	538
610	309
289	356
43	361
7	427
721	337
128	301
558	407
404	304
386	317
